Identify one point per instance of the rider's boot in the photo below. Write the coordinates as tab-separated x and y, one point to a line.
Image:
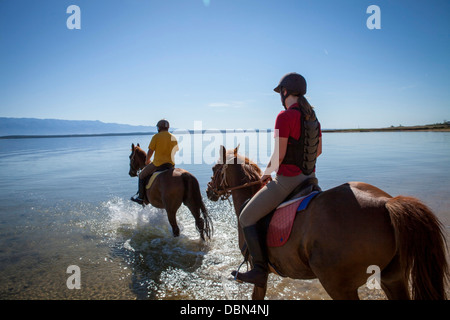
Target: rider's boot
256	246
141	193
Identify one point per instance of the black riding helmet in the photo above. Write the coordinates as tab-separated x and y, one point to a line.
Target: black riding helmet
295	85
162	124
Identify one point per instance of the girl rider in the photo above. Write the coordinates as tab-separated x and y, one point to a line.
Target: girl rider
298	143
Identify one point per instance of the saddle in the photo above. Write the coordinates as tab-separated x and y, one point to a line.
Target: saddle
149	181
280	225
305	188
277	225
153	177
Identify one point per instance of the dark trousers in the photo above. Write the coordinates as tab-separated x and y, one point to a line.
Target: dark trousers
151	168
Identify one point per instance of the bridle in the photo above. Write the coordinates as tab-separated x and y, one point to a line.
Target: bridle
133	161
219	185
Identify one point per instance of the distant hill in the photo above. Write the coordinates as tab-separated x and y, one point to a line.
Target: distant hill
445	126
44	127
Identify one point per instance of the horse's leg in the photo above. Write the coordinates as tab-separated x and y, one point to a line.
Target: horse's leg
172	215
171	209
259	293
393	282
336	284
395	290
192	198
199	223
340	292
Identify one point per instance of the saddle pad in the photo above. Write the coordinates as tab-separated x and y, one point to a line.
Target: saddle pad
153	177
281	224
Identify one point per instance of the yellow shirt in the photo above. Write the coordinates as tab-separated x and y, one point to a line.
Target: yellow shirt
164	145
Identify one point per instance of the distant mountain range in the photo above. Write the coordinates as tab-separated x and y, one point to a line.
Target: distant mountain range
51	127
31	127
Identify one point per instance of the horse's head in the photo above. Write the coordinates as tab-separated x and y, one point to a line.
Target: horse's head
215	186
231	171
137	160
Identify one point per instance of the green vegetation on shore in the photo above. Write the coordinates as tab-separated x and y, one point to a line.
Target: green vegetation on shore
445	126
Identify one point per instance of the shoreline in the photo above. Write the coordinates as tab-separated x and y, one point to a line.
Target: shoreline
428	127
432	127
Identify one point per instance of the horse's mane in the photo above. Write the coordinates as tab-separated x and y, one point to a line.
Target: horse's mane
251	170
140	151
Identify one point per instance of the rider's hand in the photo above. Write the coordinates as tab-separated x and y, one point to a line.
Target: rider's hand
266	178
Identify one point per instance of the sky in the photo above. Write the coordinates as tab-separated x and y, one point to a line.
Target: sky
217	61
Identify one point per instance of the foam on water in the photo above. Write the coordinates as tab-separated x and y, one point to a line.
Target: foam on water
167	267
185	267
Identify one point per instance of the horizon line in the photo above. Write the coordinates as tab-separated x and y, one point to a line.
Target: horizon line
429	127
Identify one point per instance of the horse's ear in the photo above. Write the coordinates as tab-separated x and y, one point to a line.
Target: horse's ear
223	154
138	145
132	146
236	149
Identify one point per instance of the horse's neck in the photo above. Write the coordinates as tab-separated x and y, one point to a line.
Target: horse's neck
240	196
142	157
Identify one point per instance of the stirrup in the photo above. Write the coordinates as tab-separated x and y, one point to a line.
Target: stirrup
137	200
239	268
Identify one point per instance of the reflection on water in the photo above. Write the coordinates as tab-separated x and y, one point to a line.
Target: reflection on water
65	202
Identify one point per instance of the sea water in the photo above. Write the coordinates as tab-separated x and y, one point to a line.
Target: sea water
65	202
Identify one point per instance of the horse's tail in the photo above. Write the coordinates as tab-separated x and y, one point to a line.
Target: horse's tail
421	247
193	199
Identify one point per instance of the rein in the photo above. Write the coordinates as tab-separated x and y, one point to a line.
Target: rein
132	163
222	189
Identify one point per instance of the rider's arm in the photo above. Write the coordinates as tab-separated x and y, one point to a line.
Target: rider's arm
277	157
149	155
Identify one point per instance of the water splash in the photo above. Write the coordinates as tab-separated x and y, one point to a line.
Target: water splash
185	267
167	267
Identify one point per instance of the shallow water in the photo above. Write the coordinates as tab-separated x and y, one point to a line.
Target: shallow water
64	201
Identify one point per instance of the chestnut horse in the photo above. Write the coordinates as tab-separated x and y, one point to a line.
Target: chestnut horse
346	230
172	188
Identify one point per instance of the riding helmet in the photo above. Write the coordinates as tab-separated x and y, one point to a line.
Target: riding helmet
294	83
163	124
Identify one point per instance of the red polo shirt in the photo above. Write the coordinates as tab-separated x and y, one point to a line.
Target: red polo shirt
288	124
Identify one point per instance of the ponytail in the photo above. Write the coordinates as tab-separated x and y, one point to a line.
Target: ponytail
306	109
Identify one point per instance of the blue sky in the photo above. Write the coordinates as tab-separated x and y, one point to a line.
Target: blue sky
217	61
